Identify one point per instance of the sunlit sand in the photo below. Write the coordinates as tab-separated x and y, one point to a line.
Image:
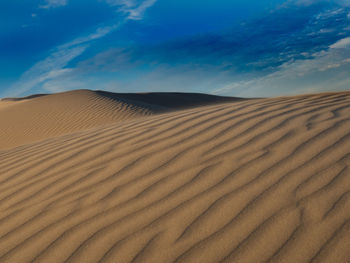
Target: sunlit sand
99	177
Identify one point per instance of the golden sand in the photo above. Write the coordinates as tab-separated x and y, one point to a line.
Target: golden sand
86	177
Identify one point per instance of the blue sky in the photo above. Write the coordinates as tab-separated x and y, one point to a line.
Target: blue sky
244	48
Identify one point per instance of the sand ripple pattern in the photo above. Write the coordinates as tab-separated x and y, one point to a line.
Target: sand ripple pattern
263	180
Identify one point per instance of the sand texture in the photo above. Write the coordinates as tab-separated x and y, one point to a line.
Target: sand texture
39	117
96	177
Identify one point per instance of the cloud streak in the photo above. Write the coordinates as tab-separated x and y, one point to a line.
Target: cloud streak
134	10
53	4
49	68
138	12
53	66
322	72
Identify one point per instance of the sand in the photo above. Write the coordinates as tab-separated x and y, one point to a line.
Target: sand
95	177
38	117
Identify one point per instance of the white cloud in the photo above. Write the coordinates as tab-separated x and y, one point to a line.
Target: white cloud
53	4
343	43
138	12
99	33
126	3
133	9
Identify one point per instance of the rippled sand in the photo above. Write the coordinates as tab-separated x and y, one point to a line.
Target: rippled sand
97	177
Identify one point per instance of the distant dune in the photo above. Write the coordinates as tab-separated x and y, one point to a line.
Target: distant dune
29	119
91	176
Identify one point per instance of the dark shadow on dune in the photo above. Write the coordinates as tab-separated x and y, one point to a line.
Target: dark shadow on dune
155	101
168	100
25	98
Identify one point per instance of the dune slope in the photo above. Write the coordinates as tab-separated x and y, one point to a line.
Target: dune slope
36	117
250	181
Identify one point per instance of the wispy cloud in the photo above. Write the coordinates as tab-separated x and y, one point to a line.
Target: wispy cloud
99	33
260	45
49	68
256	59
54	66
343	43
311	2
134	10
53	4
123	3
138	12
325	71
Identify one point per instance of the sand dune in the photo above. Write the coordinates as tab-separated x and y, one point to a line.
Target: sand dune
36	117
261	180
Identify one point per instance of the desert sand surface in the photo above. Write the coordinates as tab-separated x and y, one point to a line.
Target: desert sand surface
37	117
96	177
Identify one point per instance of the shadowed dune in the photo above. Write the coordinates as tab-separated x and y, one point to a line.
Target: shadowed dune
168	100
261	180
24	98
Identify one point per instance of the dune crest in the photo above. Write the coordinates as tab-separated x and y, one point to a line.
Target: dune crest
261	180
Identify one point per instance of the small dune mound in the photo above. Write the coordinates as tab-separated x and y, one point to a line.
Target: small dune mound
36	117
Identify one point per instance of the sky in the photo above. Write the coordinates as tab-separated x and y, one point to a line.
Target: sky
245	48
